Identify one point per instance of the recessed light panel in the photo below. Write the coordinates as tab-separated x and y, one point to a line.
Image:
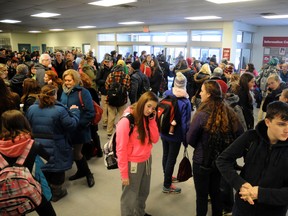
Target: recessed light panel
56	29
45	15
86	27
227	1
34	31
9	21
203	18
109	3
285	16
131	23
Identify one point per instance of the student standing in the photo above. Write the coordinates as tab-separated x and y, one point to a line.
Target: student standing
262	184
134	154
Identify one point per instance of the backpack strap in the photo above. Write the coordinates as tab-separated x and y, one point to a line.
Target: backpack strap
80	99
21	159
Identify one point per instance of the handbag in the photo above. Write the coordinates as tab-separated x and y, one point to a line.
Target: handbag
185	168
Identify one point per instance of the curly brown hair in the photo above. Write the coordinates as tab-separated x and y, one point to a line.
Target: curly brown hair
220	114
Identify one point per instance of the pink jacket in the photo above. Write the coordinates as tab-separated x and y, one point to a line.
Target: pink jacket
130	148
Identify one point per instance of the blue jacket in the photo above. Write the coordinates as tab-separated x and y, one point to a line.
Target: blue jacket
82	133
183	117
50	127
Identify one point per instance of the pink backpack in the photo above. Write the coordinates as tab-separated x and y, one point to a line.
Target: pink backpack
20	192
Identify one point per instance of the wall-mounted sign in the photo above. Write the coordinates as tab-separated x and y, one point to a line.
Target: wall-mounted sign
226	53
266	59
275	41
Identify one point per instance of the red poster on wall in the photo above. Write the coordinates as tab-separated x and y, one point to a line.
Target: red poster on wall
266	59
226	53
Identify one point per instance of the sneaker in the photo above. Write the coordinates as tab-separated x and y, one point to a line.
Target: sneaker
174	179
172	189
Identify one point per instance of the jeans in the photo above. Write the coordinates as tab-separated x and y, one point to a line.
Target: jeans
170	154
207	182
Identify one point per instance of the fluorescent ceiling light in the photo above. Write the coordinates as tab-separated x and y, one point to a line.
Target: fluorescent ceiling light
45	15
10	21
1	31
56	29
285	16
203	18
227	1
34	31
131	23
109	3
86	27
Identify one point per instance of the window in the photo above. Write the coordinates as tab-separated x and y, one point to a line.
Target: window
207	35
106	37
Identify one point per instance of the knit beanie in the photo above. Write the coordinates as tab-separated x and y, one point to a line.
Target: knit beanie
135	65
180	81
223	86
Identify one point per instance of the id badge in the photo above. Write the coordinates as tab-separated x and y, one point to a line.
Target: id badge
133	168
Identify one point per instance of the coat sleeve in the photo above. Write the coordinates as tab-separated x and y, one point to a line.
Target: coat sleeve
69	118
185	120
133	89
195	130
225	162
154	132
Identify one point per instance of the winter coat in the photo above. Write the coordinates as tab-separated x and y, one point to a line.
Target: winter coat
139	84
16	83
199	79
183	116
82	133
41	69
273	95
101	79
198	137
130	148
155	80
50	127
247	107
265	166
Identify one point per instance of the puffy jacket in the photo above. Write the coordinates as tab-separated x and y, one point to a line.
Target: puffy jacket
50	127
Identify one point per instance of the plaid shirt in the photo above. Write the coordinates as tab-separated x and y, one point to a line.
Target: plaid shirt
118	75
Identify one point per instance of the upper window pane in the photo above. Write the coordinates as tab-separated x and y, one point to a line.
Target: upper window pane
207	35
124	37
177	37
239	36
106	37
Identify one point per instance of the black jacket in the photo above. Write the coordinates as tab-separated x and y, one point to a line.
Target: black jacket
265	166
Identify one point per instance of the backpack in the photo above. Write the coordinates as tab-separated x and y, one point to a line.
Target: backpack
166	113
98	110
109	149
262	80
20	192
117	93
143	84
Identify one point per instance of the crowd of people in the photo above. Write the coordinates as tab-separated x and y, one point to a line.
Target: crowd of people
215	117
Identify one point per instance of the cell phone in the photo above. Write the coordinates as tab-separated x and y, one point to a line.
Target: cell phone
151	116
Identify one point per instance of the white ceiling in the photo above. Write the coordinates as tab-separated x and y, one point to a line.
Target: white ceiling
152	12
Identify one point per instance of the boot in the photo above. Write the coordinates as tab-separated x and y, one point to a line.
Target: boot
97	143
88	174
58	192
80	172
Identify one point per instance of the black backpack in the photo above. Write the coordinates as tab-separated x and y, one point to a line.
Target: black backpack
117	93
166	114
143	85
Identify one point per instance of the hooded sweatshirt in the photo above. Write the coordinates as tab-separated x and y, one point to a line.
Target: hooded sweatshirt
265	166
130	148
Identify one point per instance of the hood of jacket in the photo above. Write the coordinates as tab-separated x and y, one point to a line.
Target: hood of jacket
178	92
200	77
14	149
261	130
231	99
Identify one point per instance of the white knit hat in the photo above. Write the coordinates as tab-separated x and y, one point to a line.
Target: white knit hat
180	81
